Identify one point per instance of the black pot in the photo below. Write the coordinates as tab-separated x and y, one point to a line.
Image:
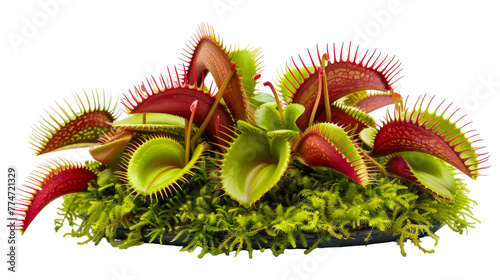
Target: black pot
356	238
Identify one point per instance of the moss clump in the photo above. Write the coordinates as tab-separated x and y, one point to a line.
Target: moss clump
306	201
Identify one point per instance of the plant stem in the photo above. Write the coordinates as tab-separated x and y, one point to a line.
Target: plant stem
328	110
318	96
278	103
189	125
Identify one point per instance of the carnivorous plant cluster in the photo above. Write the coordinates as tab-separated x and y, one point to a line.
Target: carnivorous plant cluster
318	118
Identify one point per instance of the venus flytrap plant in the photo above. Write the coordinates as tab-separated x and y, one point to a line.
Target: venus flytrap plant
240	168
77	128
208	55
329	145
215	104
52	180
344	77
155	164
110	149
253	164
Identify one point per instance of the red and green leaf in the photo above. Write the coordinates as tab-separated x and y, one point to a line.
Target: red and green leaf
207	55
177	100
53	180
80	128
344	76
429	132
328	145
369	101
110	150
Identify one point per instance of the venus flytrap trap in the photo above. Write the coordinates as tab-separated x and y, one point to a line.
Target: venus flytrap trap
240	169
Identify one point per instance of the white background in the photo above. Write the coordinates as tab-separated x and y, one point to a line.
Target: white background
51	49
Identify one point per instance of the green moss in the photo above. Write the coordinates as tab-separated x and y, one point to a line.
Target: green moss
306	201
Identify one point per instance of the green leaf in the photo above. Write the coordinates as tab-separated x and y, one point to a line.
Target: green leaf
157	164
253	165
291	113
268	118
260	98
428	171
247	67
367	135
145	119
154	122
